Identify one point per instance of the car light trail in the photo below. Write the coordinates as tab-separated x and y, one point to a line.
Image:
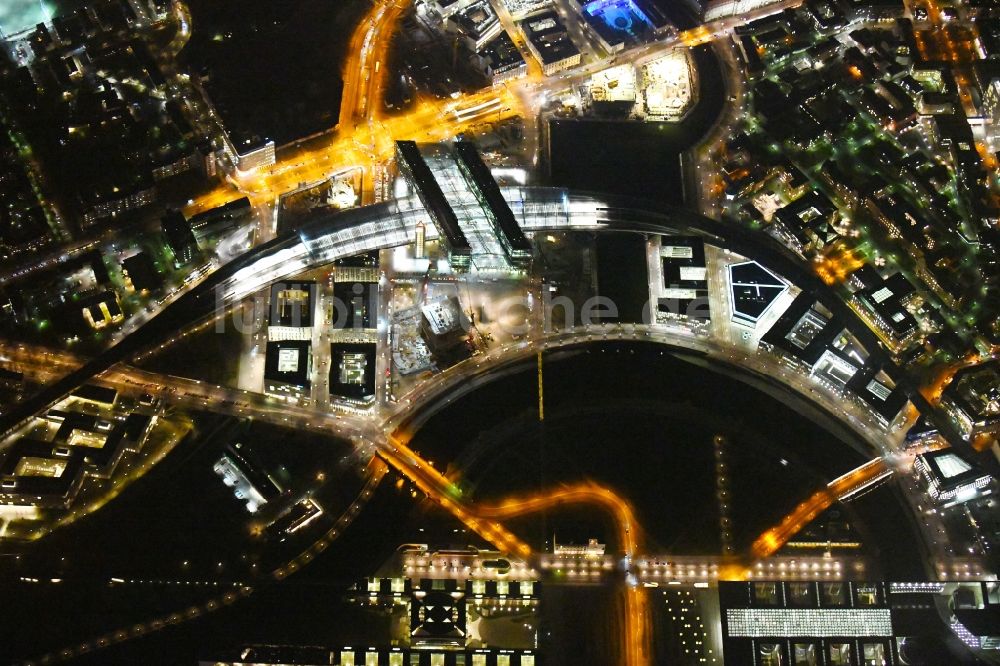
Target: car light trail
857	479
638	626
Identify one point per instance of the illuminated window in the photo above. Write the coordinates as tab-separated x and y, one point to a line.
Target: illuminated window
479	660
800	594
347	658
767	594
867	595
371	659
766	622
874	654
834	594
527	660
437	659
804	654
770	654
502	587
396	659
840	654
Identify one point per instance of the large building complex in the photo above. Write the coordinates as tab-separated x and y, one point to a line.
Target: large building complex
550	42
288	368
500	332
951	479
292	311
250	153
808	335
768	623
472	218
973	401
516	246
353	347
477	24
501	60
753	289
418	174
684	285
79	448
615	23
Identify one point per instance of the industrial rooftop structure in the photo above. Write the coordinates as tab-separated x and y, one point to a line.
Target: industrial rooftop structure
413	166
467	206
515	244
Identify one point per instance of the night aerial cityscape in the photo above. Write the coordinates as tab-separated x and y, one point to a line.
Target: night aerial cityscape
499	332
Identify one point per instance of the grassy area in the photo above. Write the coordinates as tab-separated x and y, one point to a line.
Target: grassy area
275	66
210	355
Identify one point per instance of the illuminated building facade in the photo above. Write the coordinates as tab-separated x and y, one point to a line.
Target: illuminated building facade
291	311
287	368
951	479
550	43
973	401
769	623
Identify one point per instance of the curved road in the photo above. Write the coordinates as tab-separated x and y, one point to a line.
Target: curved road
394	223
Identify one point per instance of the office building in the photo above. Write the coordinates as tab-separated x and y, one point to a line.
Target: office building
477	24
972	399
883	306
180	238
140	272
772	623
102	310
291	312
418	174
950	478
516	246
221	219
287	368
501	60
549	42
753	289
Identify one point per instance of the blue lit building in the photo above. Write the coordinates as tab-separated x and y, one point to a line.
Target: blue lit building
617	22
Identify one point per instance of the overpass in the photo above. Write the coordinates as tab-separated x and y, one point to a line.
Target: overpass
849	484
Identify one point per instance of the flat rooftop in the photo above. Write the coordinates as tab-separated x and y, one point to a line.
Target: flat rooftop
292	304
753	289
95	393
355	304
476	20
287	362
352	370
502	53
950	469
16	16
422	178
549	36
976	390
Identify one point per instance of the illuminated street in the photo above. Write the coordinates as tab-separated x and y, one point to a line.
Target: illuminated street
500	333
